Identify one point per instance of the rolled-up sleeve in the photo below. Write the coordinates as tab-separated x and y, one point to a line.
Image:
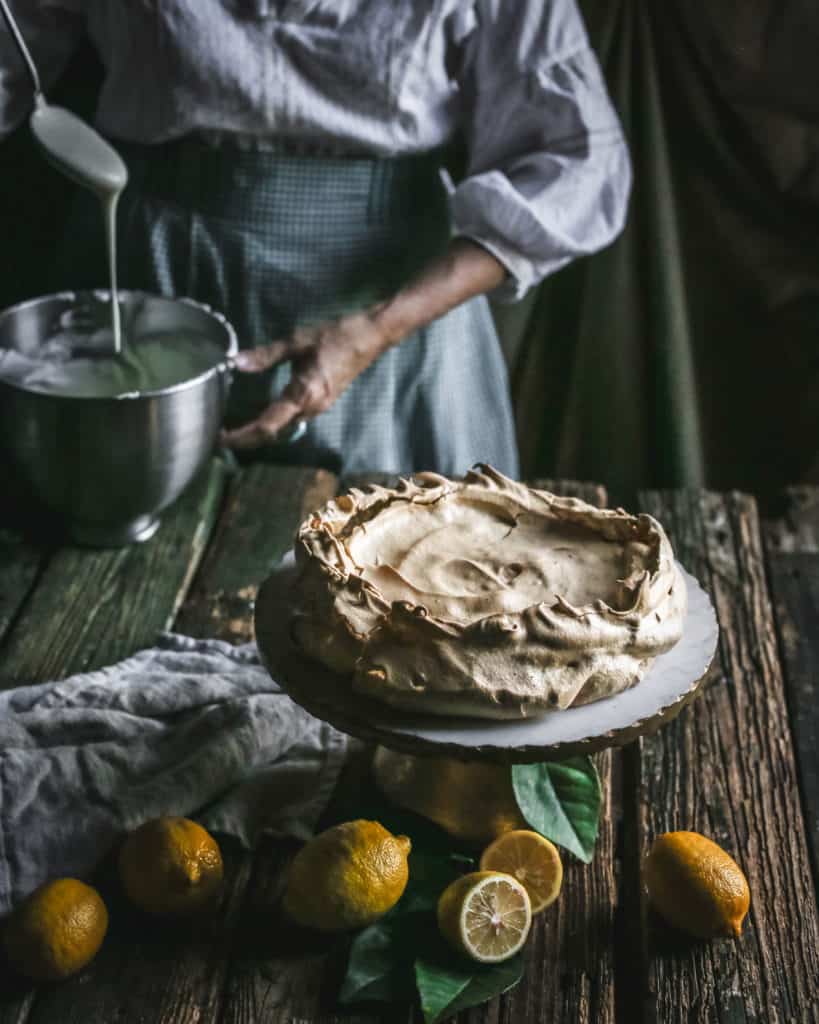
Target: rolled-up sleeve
52	30
548	175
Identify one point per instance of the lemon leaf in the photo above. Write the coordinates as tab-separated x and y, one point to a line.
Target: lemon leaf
489	981
376	970
447	985
561	800
439	986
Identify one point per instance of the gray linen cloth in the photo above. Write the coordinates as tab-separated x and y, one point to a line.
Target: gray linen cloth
189	727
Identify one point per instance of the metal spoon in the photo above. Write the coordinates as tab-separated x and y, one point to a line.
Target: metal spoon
72	145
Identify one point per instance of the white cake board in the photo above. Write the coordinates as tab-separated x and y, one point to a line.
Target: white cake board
673	680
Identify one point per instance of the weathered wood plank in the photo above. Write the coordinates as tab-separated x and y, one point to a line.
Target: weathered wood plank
792	549
796	531
570	954
27	538
148	971
21	561
91	608
726	768
255	529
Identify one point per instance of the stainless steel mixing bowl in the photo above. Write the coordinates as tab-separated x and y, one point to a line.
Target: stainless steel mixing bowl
107	466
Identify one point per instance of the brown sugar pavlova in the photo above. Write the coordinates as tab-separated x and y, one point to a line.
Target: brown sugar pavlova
483	597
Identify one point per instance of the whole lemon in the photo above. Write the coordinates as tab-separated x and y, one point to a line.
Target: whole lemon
347	877
443	790
57	930
696	885
171	866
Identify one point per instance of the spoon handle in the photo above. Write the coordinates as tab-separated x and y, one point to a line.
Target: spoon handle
21	45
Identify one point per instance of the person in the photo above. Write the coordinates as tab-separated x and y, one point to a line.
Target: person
287	164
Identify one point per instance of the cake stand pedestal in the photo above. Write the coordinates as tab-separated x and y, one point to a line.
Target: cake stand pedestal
443	766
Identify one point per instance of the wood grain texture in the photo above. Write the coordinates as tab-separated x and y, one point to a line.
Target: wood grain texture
792	551
21	561
726	768
570	953
92	607
264	506
796	531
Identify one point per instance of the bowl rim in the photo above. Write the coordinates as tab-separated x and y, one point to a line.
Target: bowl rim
223	366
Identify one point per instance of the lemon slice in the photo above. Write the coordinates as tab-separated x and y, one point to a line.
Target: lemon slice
532	860
485	914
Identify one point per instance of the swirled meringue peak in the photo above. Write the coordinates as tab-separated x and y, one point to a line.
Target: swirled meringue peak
483	597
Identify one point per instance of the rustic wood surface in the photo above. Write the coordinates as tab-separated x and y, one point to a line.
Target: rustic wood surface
91	608
21	561
727	767
792	549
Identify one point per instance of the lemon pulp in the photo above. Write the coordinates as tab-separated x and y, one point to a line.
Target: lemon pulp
532	860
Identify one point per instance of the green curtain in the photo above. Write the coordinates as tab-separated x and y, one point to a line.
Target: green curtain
687	353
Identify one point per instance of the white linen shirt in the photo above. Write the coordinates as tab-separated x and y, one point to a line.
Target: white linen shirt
548	174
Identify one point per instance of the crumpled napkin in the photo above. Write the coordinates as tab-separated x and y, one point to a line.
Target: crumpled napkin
189	727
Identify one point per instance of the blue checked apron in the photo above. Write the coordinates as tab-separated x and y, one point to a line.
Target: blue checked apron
274	240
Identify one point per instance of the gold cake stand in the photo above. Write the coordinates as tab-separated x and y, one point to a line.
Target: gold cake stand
458	770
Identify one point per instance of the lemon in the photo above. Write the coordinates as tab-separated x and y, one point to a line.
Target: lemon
443	790
171	866
486	915
347	877
532	859
57	930
695	885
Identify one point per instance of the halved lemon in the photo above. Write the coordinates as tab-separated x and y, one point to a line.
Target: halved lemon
532	860
486	915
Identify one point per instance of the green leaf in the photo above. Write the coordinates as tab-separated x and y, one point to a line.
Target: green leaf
439	986
446	984
378	968
561	800
489	982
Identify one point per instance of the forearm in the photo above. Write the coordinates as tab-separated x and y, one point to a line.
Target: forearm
466	269
325	358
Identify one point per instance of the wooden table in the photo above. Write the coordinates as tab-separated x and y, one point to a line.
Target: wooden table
739	765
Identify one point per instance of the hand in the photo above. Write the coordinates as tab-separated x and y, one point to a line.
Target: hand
325	360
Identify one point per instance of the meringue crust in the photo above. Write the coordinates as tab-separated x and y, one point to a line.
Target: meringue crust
484	597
